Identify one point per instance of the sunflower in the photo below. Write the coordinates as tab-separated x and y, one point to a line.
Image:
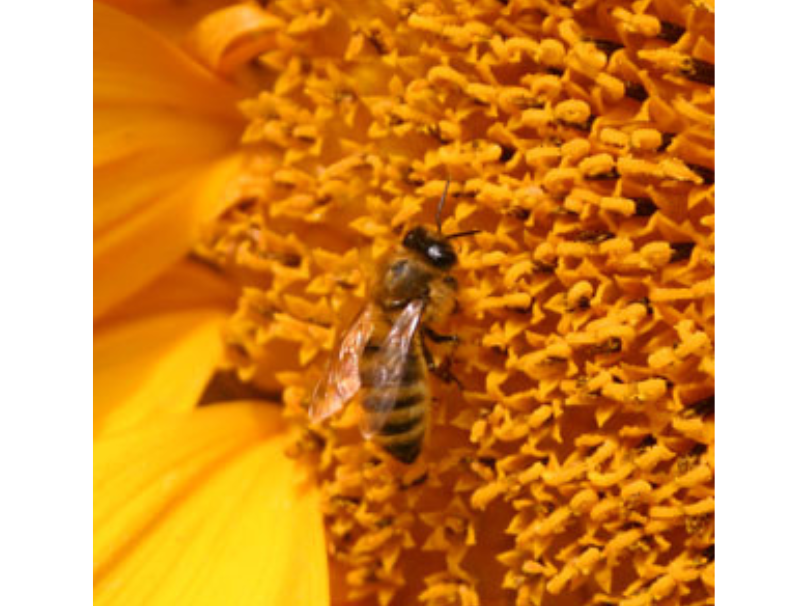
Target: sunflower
252	163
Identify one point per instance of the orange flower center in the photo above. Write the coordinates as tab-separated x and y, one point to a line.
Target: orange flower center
576	463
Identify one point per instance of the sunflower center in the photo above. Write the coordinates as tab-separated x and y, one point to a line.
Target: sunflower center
579	139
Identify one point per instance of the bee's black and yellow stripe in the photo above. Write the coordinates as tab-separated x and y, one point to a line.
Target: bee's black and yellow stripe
402	430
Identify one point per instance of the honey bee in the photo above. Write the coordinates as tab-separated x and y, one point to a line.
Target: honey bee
383	353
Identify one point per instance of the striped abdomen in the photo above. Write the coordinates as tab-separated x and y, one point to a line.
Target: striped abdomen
401	430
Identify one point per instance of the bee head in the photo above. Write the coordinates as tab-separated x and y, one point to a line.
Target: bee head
433	247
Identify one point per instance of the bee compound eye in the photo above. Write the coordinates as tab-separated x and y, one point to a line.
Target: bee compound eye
441	255
416	238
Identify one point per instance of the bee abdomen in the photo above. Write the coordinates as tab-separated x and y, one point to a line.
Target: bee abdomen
403	420
402	427
396	406
404	446
377	399
371	375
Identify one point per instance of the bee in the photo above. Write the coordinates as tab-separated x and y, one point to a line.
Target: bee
383	353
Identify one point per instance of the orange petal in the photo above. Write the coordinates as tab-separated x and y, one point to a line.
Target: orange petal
133	64
171	18
157	353
207	509
188	285
229	37
163	130
140	248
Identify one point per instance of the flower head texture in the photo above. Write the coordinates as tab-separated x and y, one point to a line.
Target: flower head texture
255	161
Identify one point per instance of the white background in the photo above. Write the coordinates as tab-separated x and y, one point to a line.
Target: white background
46	303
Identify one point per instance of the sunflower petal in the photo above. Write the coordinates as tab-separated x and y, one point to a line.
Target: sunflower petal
188	285
171	18
129	257
207	509
153	366
231	36
134	65
164	133
154	355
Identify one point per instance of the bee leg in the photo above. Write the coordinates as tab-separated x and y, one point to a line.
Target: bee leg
438	338
430	361
443	372
455	341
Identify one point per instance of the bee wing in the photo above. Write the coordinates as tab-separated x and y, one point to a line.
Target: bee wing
341	381
391	364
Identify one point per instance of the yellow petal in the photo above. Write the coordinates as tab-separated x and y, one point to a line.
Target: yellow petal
228	38
157	353
164	135
153	366
188	285
134	65
207	509
139	249
171	18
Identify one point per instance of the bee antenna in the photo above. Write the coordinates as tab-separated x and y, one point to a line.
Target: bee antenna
463	234
442	202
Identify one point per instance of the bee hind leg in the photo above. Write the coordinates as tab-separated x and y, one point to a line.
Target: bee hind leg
438	338
445	374
444	371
